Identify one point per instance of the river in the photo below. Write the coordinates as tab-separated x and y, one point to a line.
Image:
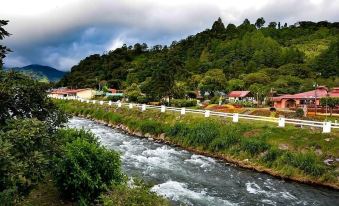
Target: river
190	179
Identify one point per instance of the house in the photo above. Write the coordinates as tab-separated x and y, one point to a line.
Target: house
235	96
114	92
305	98
75	93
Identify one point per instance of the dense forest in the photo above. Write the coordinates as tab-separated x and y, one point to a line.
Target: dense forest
263	59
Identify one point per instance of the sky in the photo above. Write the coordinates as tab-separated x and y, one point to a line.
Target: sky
59	33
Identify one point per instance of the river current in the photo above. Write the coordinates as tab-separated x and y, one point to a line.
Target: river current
190	179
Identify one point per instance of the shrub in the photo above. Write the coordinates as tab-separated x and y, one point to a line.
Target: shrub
203	133
178	130
224	142
150	126
306	162
139	194
69	135
215	100
114	98
142	100
271	155
299	112
84	170
183	103
25	148
253	146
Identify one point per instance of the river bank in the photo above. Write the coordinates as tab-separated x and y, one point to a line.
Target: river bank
187	178
255	148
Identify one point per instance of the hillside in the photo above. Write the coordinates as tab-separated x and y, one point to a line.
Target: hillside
284	59
41	72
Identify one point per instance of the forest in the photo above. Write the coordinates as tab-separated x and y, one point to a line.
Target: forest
262	57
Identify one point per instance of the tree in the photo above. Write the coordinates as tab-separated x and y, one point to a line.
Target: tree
260	91
272	25
22	97
3	49
218	26
330	102
213	81
133	92
235	84
260	22
327	63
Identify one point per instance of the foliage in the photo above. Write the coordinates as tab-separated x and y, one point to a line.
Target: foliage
330	102
183	103
25	150
84	170
139	194
280	57
114	98
3	49
254	141
22	97
299	112
133	92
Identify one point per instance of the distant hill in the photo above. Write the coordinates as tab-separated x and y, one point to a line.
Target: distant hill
41	72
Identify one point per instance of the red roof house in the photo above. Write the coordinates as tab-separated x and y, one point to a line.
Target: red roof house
240	96
305	98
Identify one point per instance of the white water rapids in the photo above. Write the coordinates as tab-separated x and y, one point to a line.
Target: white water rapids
189	179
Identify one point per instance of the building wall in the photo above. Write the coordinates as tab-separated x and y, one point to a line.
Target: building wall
86	94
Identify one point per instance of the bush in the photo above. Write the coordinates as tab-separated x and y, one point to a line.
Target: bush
183	103
25	149
203	133
225	141
271	155
179	130
69	135
253	146
215	100
149	126
306	162
138	195
299	112
114	98
142	100
84	170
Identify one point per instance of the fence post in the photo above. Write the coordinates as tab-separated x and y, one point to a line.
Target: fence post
281	122
163	108
183	111
93	101
326	127
130	105
119	104
207	113
143	107
101	102
110	103
235	117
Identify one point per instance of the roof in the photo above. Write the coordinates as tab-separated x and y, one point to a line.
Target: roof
320	92
238	93
67	91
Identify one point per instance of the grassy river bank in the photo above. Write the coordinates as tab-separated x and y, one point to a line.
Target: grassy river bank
291	153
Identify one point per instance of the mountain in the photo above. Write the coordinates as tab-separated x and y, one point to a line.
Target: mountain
262	59
41	72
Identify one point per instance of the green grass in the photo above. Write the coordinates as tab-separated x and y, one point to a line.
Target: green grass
259	142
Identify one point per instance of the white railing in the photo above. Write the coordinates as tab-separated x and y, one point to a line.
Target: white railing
326	126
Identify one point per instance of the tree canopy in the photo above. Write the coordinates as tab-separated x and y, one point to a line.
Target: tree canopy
277	56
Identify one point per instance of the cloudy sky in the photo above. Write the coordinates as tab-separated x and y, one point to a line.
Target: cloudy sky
59	33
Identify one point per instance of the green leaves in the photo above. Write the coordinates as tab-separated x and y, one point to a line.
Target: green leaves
85	169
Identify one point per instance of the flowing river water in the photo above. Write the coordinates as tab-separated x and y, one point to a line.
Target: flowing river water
190	179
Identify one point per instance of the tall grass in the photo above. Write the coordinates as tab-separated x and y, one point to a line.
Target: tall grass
238	140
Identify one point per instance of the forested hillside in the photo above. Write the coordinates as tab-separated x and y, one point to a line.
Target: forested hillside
281	58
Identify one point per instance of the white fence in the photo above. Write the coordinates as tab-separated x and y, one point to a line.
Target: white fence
281	121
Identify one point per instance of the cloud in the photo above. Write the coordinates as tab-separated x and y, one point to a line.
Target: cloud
61	32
